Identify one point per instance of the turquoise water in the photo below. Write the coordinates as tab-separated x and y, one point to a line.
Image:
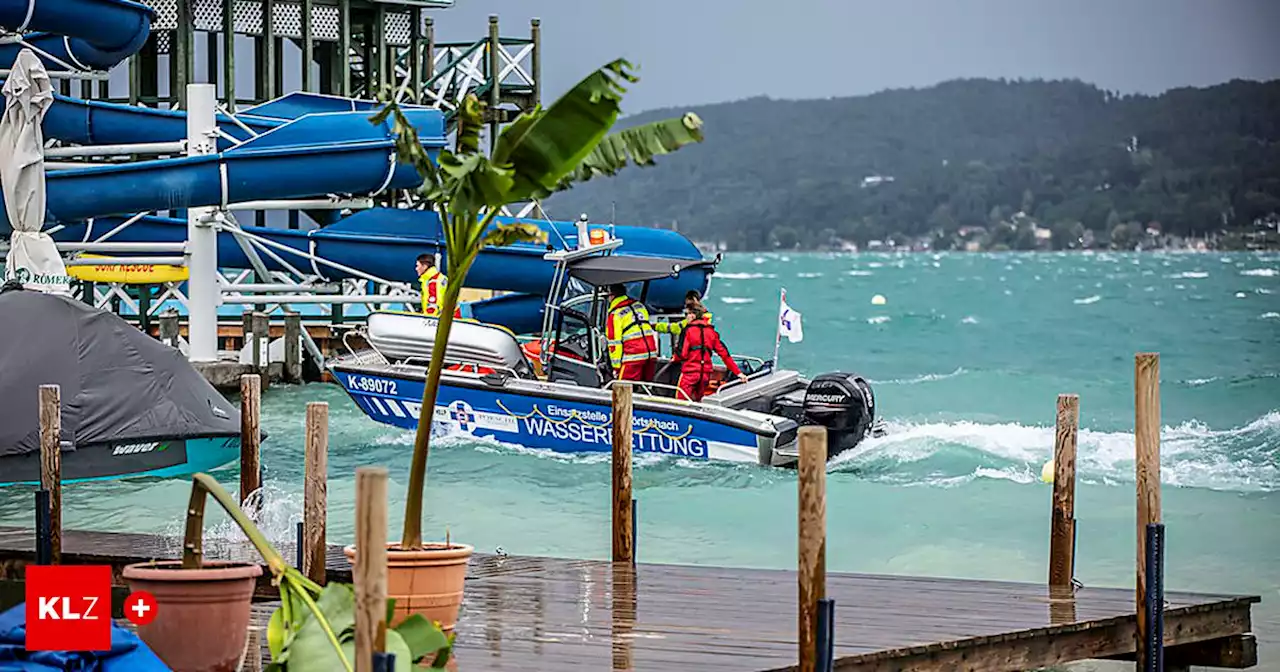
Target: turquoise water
967	357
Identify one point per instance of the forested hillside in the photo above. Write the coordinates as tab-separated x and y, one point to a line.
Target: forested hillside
943	162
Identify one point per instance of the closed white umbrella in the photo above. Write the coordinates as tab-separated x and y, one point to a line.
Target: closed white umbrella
33	258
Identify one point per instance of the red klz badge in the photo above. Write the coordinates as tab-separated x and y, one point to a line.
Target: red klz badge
68	608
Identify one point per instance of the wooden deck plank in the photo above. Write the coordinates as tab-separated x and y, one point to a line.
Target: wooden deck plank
523	613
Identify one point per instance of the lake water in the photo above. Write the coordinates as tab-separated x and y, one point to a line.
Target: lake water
967	357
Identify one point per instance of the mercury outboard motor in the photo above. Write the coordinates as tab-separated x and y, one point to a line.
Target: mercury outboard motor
845	405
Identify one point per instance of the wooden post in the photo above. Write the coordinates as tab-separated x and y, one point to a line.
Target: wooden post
246	328
51	462
623	533
261	339
812	475
250	437
370	571
1146	404
1063	521
293	348
169	328
314	494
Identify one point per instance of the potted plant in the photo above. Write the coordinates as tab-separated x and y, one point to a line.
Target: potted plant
203	607
542	151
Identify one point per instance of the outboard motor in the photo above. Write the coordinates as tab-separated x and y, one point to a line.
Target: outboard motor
845	405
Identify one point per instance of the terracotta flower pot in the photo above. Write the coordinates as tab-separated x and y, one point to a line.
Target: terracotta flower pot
202	615
427	582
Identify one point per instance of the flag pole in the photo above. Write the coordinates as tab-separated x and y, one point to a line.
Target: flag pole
777	340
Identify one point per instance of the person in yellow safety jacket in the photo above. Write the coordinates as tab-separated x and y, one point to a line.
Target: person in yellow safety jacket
633	345
433	283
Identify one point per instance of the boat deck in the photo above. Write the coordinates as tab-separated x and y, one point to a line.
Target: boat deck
531	613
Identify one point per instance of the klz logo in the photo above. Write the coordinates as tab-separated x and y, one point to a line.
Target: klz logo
68	608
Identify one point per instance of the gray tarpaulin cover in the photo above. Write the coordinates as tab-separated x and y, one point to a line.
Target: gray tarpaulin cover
118	384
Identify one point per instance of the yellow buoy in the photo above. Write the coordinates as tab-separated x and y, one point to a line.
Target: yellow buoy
1046	472
878	300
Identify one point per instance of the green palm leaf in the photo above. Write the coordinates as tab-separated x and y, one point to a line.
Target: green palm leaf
544	146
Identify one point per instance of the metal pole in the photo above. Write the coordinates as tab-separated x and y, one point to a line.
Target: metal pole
777	337
128	261
263	299
298	535
44	524
122	247
1153	652
826	635
202	251
116	150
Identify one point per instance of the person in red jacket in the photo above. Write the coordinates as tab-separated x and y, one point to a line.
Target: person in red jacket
698	340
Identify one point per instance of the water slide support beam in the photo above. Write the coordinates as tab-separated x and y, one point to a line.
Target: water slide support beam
202	254
128	261
116	150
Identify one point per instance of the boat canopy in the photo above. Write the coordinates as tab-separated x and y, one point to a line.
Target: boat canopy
619	269
117	383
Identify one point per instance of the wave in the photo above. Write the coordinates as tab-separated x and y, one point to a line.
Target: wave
736	299
1269	316
808	275
878	319
1245	458
745	276
1261	272
1087	300
923	378
860	274
1189	275
1232	380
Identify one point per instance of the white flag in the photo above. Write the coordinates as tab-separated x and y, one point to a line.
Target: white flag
789	323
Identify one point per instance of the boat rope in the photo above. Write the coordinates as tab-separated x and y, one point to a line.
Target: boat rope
31	9
574	415
71	54
392	161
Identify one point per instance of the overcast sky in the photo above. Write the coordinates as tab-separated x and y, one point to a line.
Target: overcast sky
705	51
701	51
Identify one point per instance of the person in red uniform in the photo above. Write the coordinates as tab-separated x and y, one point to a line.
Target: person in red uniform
698	340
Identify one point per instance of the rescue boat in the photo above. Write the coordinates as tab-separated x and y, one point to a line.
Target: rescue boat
555	392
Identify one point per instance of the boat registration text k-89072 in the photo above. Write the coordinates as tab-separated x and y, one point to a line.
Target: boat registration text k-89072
374	385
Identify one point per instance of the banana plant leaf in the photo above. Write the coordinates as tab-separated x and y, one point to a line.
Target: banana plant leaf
305	647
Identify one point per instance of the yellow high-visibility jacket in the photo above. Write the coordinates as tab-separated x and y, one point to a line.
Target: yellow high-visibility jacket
631	338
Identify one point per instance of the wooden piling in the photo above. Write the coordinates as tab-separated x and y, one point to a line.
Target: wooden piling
51	463
292	348
370	571
315	493
250	437
169	328
246	329
261	326
1146	404
623	532
1063	521
812	476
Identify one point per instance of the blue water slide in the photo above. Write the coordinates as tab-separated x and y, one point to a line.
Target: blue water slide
319	154
94	122
384	242
95	34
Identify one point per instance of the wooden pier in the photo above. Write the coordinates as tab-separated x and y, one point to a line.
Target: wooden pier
529	613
